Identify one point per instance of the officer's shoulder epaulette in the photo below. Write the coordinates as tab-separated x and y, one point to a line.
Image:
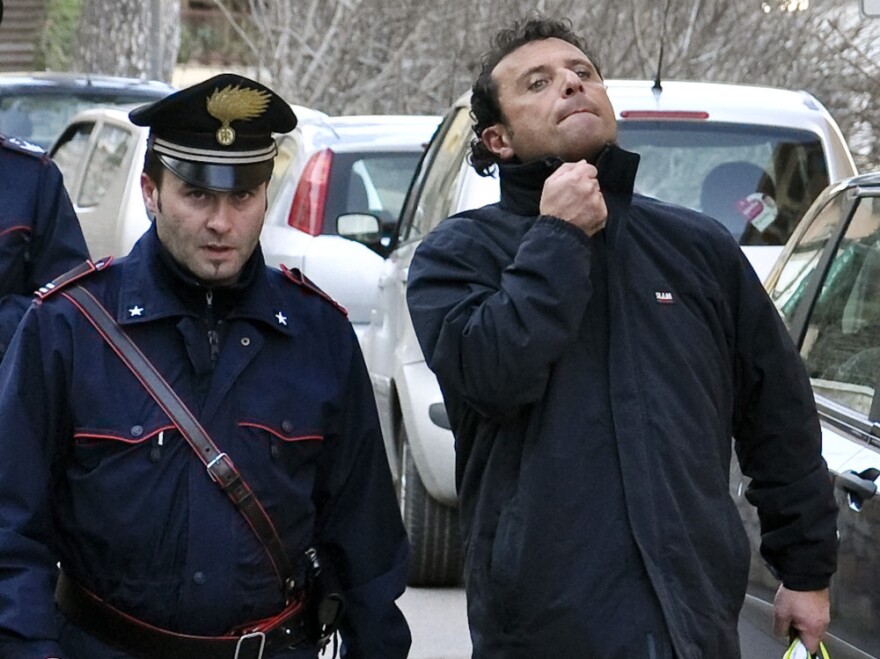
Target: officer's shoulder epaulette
19	145
84	269
298	278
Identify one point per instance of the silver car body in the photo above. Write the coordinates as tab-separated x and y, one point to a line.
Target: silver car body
825	285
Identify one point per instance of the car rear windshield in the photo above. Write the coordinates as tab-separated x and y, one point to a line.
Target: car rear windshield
374	182
40	118
756	180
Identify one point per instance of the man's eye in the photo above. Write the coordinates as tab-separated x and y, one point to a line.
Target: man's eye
584	74
537	85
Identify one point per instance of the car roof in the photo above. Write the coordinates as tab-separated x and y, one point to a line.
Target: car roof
63	82
348	134
371	132
722	101
120	113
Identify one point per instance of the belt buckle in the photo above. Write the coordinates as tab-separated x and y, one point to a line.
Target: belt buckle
244	639
210	466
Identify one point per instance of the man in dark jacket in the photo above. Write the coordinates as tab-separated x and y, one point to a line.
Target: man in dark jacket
40	236
597	350
97	475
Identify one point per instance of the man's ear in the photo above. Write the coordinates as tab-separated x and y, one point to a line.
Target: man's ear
496	138
150	191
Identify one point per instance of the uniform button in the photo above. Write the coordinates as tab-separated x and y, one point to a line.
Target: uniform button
245	341
137	431
287	426
199	577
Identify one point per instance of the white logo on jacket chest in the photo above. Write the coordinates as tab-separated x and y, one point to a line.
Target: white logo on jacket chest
664	297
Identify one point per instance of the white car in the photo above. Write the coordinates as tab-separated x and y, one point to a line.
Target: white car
762	154
326	167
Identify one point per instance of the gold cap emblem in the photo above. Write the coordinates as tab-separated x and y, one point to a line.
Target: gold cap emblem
232	103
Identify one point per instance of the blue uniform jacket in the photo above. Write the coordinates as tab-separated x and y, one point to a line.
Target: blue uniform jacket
94	475
500	299
40	236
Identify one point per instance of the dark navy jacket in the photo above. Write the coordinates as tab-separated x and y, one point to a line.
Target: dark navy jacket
40	236
94	475
501	299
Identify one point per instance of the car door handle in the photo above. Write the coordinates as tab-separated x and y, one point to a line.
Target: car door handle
859	486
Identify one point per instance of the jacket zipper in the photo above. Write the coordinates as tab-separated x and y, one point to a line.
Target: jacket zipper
213	334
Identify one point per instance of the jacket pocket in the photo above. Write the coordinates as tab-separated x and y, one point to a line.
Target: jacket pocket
506	552
291	442
93	447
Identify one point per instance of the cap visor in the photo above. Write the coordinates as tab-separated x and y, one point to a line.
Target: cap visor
222	178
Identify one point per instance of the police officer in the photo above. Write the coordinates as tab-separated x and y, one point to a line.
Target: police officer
97	476
40	236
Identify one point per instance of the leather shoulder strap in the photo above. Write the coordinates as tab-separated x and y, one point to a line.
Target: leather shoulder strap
84	269
219	466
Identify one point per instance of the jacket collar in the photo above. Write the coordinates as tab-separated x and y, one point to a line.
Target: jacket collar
154	286
522	183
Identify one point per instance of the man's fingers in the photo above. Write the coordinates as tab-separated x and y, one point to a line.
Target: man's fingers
782	625
811	642
572	193
802	613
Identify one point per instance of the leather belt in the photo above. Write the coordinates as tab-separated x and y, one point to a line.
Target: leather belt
256	641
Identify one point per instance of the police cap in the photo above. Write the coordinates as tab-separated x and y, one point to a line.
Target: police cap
217	134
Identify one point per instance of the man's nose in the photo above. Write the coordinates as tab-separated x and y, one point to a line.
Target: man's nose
222	217
571	83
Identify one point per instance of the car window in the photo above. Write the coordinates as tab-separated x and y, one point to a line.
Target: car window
71	151
757	180
374	182
437	196
39	118
387	179
841	346
788	292
107	158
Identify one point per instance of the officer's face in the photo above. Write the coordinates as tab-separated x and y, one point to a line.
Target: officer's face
212	234
554	103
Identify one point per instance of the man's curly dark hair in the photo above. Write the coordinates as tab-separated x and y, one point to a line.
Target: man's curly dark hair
485	108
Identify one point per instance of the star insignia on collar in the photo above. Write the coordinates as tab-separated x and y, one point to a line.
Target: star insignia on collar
282	319
136	311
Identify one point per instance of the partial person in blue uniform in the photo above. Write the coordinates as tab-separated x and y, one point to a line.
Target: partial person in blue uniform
40	236
597	351
156	560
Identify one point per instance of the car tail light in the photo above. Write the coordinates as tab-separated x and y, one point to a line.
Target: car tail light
664	114
307	209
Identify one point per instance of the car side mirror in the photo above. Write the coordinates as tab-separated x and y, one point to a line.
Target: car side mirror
359	227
